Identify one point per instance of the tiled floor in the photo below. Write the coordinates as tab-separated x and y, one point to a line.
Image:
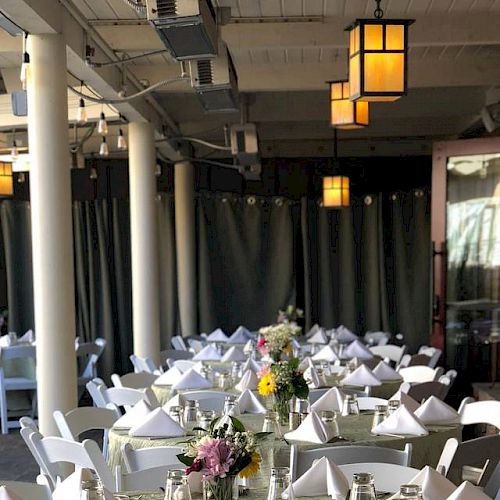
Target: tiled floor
16	462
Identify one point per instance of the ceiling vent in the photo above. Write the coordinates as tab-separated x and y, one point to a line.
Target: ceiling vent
245	144
188	28
215	81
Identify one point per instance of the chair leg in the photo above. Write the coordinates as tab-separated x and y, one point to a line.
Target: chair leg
3	412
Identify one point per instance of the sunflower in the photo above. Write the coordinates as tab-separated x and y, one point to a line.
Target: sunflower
267	385
253	467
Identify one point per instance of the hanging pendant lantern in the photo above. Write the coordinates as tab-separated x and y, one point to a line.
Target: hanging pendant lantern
378	58
6	180
344	113
336	192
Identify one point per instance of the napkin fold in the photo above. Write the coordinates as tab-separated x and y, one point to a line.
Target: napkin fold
217	336
6	494
406	400
401	422
249	403
71	487
248	381
6	341
361	376
332	400
240	336
170	377
467	491
28	337
318	338
306	363
134	416
357	349
249	348
234	354
251	364
177	400
315	328
327	353
157	424
208	353
384	372
323	478
344	335
191	380
311	430
312	378
434	411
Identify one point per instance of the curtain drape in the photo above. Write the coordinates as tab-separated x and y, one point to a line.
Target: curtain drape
246	259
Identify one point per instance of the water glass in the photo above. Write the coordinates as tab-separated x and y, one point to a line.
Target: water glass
177	486
279	482
176	414
329	418
293	420
191	412
231	406
205	418
393	405
325	366
410	492
92	490
363	487
301	405
272	424
236	370
379	416
350	406
224	381
206	372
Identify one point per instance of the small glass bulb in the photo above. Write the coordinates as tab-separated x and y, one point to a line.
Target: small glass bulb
21	178
122	143
14	153
102	126
104	150
24	70
81	115
93	173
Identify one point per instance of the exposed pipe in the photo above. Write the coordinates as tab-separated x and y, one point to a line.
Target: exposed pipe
125	60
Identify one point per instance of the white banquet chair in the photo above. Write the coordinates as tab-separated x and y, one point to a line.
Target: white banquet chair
208	400
94	388
184	364
420	373
28	427
178	343
87	356
28	491
301	459
433	353
173	354
144	365
146	458
425	390
143	480
126	397
480	412
366	403
134	380
392	352
377	338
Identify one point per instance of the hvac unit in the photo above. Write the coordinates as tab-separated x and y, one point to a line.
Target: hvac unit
188	28
245	144
215	81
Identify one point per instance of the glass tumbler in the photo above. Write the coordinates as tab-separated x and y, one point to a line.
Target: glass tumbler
393	405
272	424
363	487
176	414
191	413
278	483
350	406
410	492
379	416
177	486
329	418
92	490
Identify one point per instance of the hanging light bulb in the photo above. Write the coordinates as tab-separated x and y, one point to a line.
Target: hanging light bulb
102	126
104	150
81	115
14	152
122	143
21	178
93	173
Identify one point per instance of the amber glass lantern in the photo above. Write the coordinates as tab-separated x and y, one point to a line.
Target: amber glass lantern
6	180
378	58
336	191
346	114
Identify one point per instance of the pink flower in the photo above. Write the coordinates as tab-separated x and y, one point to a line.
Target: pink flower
264	370
261	342
196	466
217	456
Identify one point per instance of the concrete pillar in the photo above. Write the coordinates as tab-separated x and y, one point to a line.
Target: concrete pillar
51	226
185	239
144	241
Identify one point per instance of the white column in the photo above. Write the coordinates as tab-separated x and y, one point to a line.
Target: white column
51	227
144	241
185	239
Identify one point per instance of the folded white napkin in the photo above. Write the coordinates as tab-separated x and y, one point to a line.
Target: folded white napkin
343	334
217	336
434	486
327	353
306	363
29	337
208	353
249	403
248	381
71	487
234	354
312	378
170	377
177	400
192	380
311	430
323	478
332	400
249	347
157	424
315	328
6	494
435	411
361	376
401	422
240	336
467	491
6	341
134	416
251	364
384	372
318	338
357	349
406	400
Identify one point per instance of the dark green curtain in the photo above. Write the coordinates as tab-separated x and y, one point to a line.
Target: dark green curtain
246	259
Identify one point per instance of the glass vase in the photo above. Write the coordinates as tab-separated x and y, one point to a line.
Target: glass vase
220	488
282	407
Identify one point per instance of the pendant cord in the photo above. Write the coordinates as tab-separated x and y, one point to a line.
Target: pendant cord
378	13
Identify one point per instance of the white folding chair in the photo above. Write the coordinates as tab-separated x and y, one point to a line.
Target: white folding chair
95	389
87	355
481	412
433	353
420	373
144	365
173	354
492	487
425	390
54	450
465	401
184	364
208	400
178	343
388	477
196	345
75	422
143	480
377	338
18	357
28	427
369	402
392	352
127	397
301	460
134	380
315	394
146	458
28	491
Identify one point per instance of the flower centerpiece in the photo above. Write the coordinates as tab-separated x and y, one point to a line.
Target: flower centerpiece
283	381
276	340
290	315
226	450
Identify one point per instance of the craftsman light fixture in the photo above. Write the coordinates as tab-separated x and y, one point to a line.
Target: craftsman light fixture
344	113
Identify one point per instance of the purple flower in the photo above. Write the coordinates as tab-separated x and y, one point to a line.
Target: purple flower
196	466
217	456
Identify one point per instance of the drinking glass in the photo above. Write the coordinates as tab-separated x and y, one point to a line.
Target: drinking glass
271	424
224	381
191	412
236	370
177	486
278	483
231	406
204	420
325	366
379	416
410	492
329	418
363	487
393	405
92	490
176	413
301	405
350	406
